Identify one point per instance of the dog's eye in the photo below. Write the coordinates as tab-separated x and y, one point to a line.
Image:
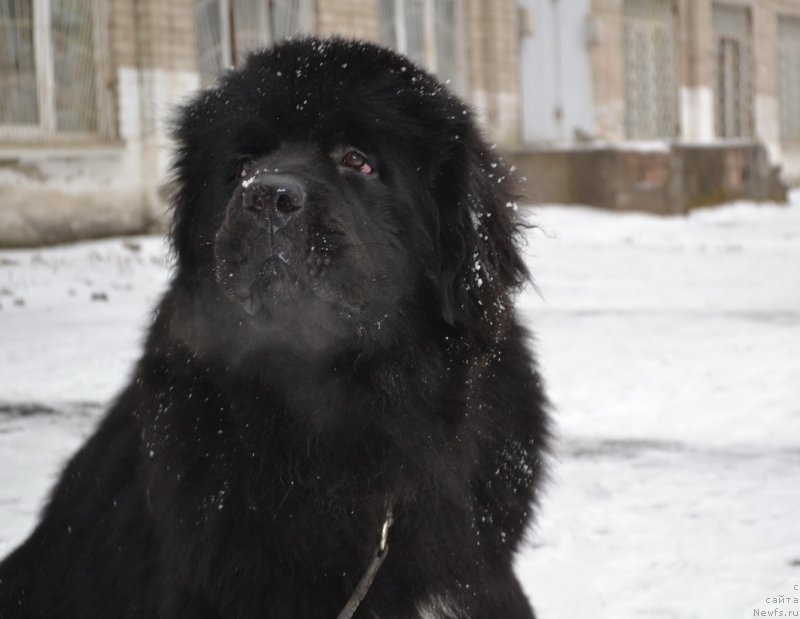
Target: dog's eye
245	166
357	161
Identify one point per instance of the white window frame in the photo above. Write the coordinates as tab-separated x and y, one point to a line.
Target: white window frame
46	131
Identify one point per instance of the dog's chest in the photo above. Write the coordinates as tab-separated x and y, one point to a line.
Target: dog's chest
436	607
439	607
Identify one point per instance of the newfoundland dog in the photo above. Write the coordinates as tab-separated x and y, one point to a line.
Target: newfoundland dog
336	413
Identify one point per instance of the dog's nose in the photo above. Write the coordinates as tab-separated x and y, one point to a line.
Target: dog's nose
274	194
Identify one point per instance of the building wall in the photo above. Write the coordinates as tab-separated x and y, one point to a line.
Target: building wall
696	69
608	69
117	183
696	72
700	57
156	67
56	191
491	50
491	30
767	109
351	18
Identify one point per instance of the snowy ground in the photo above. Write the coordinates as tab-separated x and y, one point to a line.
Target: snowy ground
671	348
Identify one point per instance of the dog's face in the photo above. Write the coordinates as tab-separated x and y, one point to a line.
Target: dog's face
330	190
316	239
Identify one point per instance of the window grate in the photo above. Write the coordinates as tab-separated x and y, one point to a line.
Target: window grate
74	65
18	104
650	53
789	78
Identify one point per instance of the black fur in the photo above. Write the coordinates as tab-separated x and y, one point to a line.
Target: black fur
308	367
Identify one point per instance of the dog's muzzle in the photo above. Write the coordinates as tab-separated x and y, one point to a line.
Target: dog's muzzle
273	200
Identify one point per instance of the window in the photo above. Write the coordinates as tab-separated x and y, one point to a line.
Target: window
733	108
227	30
49	70
789	78
649	48
427	31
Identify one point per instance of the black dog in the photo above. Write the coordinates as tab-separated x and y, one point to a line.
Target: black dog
337	358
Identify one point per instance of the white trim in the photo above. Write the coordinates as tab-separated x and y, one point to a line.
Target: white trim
697	113
43	54
401	35
429	21
462	83
226	54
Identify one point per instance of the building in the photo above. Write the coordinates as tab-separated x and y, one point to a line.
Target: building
88	89
661	85
568	88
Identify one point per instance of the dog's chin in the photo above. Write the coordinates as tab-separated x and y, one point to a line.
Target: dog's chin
293	311
276	291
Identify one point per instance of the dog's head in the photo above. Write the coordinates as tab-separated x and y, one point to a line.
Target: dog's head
331	190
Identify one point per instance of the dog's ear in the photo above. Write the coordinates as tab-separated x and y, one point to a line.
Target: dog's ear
479	264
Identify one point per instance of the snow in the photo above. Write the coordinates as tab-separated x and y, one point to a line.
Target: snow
670	350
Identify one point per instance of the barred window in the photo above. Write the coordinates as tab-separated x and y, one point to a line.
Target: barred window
651	91
427	31
733	91
789	77
49	70
18	105
228	30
